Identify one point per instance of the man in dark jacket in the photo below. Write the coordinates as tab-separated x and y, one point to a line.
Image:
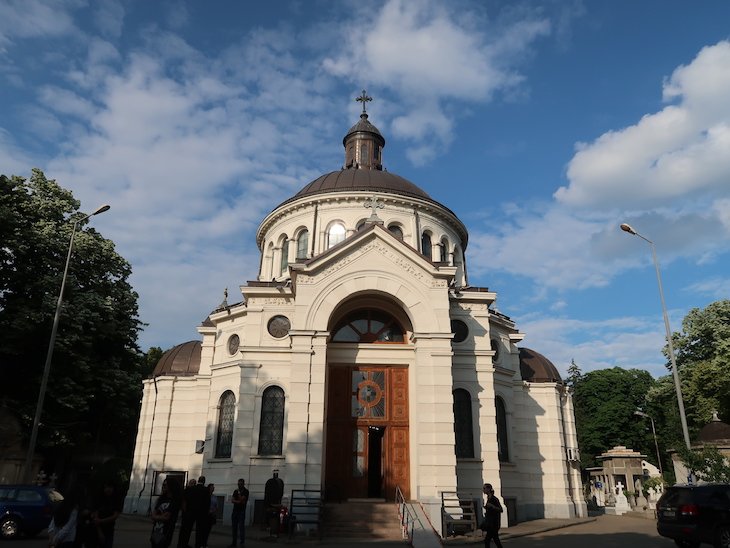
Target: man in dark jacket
492	517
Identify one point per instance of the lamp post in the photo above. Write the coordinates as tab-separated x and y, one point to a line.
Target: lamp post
640	413
51	343
683	419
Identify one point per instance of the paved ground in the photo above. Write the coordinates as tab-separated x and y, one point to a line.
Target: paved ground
601	532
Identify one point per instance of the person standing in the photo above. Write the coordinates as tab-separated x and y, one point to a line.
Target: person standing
238	516
164	514
492	517
107	509
212	514
188	515
201	497
273	493
63	527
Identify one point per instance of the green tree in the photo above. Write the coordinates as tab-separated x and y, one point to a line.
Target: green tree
94	386
707	463
605	401
703	362
574	374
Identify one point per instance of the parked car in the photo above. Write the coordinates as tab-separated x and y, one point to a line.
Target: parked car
695	514
26	509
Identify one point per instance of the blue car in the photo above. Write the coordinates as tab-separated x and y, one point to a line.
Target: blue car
26	509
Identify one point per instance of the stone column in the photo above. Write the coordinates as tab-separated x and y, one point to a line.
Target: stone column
305	432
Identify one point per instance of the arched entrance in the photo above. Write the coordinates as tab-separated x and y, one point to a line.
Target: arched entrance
366	427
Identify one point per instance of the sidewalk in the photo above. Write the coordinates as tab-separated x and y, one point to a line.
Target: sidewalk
133	531
523	529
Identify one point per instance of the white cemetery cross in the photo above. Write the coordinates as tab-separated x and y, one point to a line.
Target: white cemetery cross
622	504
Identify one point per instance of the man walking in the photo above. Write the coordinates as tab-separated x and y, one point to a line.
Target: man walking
492	517
238	516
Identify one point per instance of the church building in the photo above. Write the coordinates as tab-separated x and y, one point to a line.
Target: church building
361	363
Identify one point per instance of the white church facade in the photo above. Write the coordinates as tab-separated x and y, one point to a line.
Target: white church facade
360	362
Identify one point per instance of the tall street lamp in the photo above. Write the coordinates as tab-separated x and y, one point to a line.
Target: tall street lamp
51	343
627	228
653	431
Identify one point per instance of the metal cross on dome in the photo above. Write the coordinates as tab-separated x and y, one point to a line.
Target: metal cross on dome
364	98
374	204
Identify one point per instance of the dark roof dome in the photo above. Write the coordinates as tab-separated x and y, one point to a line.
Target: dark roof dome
364	125
369	180
182	360
714	431
535	367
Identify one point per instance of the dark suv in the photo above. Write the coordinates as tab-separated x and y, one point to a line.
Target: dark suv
693	514
26	509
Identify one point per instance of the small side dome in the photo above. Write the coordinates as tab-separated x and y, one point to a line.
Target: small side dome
535	367
182	360
715	431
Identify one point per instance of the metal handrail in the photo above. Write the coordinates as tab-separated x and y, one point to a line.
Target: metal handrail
407	519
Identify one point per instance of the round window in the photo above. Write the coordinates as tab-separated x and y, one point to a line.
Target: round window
460	330
233	344
279	326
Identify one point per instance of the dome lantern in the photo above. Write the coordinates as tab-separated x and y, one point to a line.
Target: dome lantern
363	143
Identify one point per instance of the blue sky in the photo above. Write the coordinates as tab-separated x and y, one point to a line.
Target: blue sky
543	125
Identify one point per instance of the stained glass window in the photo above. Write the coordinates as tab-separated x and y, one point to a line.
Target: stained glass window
271	430
284	256
335	235
226	418
368	394
463	427
426	245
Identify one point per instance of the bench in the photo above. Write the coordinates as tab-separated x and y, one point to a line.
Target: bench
458	513
305	508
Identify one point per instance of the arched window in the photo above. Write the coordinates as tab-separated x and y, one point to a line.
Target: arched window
271	429
502	441
426	245
335	235
444	251
396	231
368	326
303	244
226	417
284	255
463	427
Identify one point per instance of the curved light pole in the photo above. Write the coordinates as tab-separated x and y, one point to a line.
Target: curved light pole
683	419
51	343
640	413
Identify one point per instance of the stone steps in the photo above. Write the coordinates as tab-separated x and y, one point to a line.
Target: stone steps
362	519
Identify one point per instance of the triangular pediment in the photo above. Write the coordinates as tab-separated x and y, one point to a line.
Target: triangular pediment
373	248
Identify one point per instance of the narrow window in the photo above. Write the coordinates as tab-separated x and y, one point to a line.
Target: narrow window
463	428
426	245
364	154
284	256
224	434
444	251
302	244
502	441
396	231
271	429
335	235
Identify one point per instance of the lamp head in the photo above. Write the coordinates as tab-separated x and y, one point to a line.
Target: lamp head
101	209
640	413
627	228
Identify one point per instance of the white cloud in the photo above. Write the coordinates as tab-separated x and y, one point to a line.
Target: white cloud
626	342
109	17
680	151
36	18
427	56
716	287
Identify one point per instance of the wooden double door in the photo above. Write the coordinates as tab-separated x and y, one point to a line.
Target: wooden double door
366	432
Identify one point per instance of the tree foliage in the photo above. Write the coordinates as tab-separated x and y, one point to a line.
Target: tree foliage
707	463
604	402
95	377
703	362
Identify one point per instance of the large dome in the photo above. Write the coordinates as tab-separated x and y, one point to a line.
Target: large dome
182	360
537	368
370	180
